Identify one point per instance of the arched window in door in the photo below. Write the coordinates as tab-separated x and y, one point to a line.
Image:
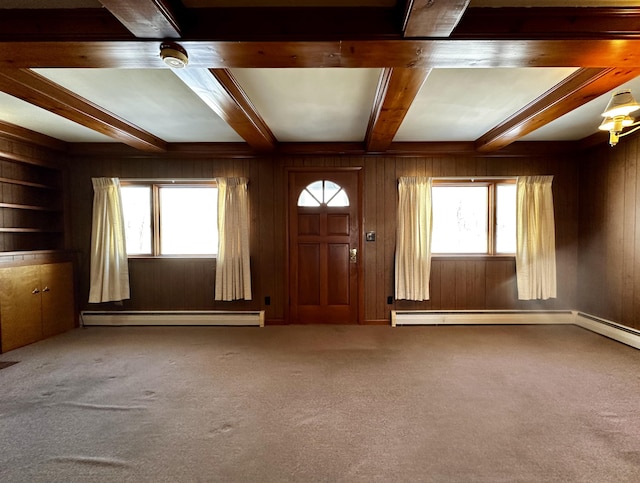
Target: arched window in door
323	192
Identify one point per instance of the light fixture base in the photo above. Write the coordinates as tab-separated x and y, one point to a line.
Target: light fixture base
174	56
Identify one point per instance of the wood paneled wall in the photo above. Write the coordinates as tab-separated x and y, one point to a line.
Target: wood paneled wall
455	283
609	246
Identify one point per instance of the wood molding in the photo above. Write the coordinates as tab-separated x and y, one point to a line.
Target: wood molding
243	151
23	134
582	86
40	91
145	18
397	89
433	18
219	90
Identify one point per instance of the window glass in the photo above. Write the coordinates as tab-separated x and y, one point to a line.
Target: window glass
176	219
188	220
505	218
136	202
460	219
307	199
323	193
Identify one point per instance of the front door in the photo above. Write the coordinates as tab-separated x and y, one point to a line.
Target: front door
324	239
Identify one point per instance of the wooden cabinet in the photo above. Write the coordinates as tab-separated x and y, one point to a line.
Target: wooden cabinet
36	301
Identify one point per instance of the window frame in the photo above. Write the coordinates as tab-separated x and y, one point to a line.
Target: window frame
156	185
491	183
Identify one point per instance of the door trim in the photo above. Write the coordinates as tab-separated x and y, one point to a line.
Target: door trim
360	213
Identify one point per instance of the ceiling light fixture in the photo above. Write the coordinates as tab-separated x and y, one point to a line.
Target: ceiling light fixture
616	116
174	55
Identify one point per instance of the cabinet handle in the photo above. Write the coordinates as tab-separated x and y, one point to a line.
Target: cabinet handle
46	289
35	291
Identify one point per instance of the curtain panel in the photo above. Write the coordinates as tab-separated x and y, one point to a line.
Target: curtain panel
413	238
535	238
109	279
233	272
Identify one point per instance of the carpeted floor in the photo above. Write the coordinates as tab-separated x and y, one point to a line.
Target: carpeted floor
322	403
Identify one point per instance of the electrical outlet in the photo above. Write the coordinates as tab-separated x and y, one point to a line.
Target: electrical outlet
267	300
389	299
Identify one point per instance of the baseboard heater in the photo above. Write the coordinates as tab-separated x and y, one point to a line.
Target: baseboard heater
614	331
620	333
479	317
173	318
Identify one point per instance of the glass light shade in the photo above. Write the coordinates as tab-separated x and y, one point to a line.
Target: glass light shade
621	104
615	123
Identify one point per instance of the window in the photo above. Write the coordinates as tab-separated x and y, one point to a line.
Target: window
474	217
323	192
170	218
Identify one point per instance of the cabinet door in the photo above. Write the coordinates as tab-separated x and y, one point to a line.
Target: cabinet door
58	310
20	307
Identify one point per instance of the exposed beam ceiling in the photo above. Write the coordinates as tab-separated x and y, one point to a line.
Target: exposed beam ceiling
39	91
405	41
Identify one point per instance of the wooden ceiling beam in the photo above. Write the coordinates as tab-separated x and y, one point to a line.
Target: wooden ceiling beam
41	92
549	22
410	53
153	19
222	93
397	88
316	23
433	18
582	86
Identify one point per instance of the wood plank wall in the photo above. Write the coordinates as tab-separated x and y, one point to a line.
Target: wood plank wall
456	284
609	236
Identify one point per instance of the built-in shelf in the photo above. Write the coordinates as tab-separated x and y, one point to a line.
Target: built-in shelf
17	206
32	216
27	183
28	230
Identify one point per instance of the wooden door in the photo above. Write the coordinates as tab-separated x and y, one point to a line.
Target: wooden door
324	246
58	309
20	306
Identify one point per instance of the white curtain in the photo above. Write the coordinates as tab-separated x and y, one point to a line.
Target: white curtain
535	238
233	273
413	239
109	266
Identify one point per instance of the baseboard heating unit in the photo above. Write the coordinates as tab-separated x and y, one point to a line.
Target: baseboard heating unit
479	317
620	333
173	318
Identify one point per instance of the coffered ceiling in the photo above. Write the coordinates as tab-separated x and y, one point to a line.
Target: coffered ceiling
315	76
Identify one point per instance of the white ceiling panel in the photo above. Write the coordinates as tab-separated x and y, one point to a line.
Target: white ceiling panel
154	100
23	114
312	105
463	104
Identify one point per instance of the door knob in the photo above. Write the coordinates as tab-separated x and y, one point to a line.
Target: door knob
353	255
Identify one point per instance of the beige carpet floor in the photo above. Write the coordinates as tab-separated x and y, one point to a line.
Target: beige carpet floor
322	403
